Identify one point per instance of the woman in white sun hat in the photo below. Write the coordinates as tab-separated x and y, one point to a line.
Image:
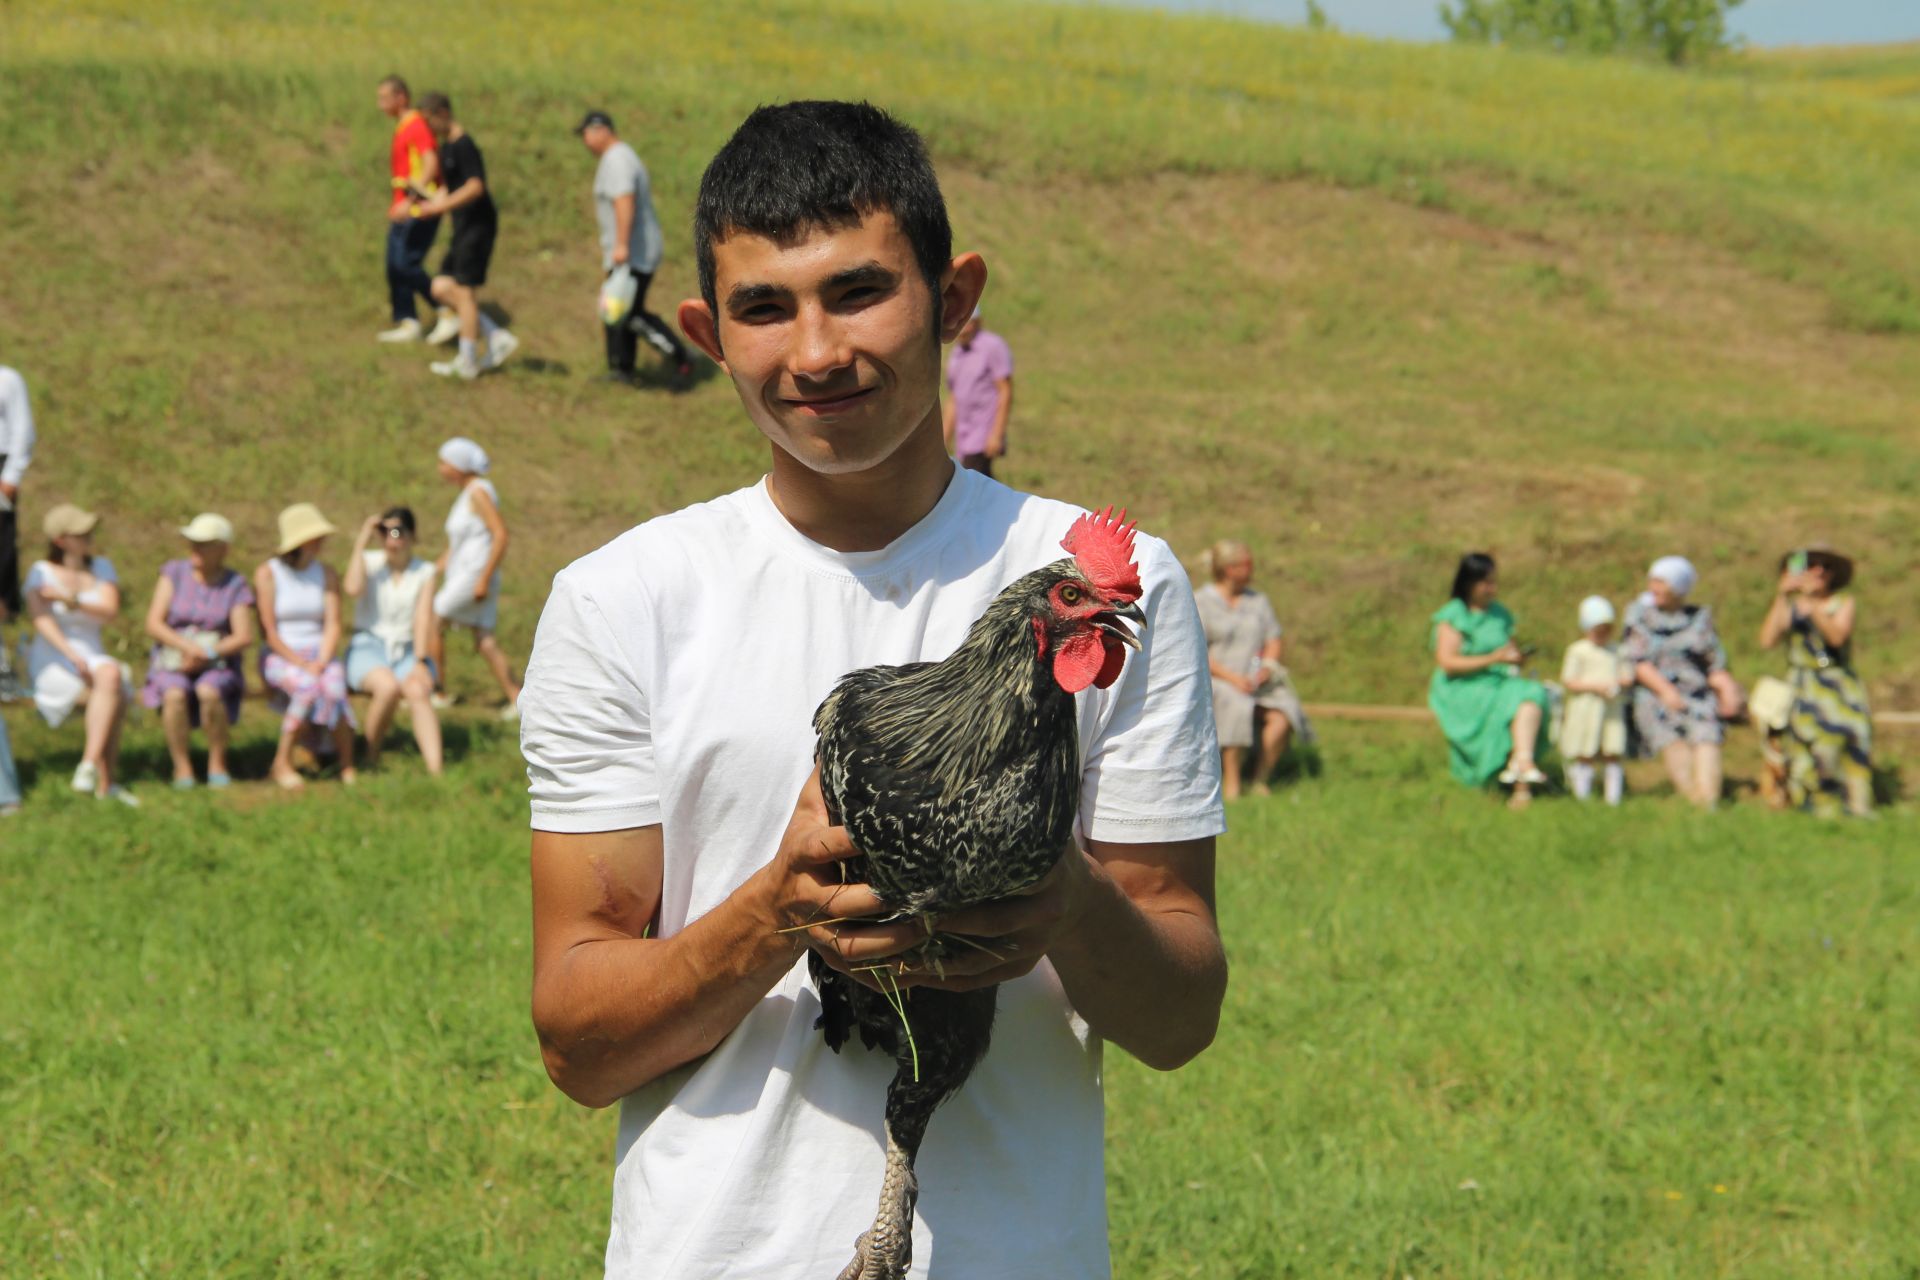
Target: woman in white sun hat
201	622
300	616
70	596
469	594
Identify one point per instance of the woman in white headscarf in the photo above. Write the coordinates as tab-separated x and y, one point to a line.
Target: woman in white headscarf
469	569
1684	692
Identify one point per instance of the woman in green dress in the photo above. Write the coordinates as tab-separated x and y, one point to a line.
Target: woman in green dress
1495	720
1828	743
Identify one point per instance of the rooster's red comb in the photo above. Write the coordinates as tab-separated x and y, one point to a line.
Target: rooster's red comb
1102	545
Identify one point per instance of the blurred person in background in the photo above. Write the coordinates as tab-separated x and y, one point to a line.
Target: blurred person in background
1828	741
414	165
1493	718
71	595
1684	693
393	629
1252	694
300	619
469	594
201	623
16	453
465	195
979	396
1593	724
630	241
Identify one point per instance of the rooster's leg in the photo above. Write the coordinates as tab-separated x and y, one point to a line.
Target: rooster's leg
952	1030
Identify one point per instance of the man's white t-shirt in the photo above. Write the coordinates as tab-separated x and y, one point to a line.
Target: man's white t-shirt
673	681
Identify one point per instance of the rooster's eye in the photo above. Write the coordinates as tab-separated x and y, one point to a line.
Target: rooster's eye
1069	594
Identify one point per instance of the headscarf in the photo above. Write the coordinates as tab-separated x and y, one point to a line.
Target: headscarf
1677	572
463	454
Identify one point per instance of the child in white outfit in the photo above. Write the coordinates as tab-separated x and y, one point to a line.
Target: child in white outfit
1593	727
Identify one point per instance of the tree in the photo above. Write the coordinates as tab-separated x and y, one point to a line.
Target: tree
1676	31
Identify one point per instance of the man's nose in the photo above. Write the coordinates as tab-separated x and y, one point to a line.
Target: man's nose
820	347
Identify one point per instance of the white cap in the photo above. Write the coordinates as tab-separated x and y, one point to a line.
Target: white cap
208	527
464	455
1595	611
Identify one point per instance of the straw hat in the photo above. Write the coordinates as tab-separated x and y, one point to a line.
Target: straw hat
300	524
208	527
67	520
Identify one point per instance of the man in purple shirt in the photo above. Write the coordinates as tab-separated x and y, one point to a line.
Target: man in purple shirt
979	397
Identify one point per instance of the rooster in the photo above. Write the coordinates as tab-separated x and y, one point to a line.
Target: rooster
959	781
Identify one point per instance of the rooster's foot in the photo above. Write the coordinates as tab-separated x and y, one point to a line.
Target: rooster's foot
886	1259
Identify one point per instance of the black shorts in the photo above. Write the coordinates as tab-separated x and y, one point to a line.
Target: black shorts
9	565
469	252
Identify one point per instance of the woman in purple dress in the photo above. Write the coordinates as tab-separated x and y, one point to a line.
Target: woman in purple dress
201	621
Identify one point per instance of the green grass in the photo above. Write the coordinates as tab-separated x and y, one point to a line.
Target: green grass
1364	305
246	1035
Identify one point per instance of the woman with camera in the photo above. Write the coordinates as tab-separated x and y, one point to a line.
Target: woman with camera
201	622
1494	719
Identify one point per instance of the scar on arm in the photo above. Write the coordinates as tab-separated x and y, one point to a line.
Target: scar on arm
619	905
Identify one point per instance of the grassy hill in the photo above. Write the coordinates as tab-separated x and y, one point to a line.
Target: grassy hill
1365	305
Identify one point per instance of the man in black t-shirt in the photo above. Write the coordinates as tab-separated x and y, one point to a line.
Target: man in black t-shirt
465	194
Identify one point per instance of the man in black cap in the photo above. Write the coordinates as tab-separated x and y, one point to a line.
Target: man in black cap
629	241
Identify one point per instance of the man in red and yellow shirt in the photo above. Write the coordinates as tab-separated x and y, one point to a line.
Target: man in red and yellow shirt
416	176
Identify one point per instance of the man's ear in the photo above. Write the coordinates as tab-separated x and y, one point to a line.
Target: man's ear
697	322
960	289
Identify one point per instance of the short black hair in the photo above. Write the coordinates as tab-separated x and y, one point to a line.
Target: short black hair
435	104
398	85
801	165
402	514
1475	568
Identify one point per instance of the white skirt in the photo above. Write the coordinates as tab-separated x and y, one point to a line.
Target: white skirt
454	603
58	687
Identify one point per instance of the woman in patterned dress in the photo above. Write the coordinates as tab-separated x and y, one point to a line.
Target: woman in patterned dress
1685	693
201	623
1828	741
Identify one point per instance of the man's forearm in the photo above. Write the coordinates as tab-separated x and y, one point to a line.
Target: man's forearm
1150	981
616	1013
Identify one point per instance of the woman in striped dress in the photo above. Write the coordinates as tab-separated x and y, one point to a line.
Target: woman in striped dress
1828	741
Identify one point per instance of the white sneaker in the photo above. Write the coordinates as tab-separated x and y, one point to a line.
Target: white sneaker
501	345
86	777
441	701
510	713
407	330
458	367
445	329
124	796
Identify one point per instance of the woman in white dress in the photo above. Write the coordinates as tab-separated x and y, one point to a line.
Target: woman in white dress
469	594
70	596
393	633
299	599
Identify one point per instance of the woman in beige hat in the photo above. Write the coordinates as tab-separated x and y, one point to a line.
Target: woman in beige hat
300	618
70	596
201	622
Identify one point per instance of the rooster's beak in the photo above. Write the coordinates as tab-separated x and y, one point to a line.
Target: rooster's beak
1108	620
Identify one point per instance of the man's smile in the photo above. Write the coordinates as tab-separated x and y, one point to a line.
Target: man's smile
824	406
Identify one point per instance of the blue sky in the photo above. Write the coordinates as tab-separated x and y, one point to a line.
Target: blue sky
1761	22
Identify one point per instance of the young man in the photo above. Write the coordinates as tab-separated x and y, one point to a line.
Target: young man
16	453
463	172
630	240
679	829
415	168
979	396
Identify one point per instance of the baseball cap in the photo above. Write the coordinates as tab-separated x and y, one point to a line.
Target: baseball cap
208	527
67	520
593	118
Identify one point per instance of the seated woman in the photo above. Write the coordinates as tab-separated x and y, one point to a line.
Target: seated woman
1252	695
70	596
1494	720
201	622
1828	742
393	628
1684	692
300	618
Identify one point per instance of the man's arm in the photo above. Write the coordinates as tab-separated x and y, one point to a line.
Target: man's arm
622	227
16	417
997	435
616	1009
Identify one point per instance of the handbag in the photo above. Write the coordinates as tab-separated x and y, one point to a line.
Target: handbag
1771	703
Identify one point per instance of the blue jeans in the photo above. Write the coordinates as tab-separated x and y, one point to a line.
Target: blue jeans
9	780
407	246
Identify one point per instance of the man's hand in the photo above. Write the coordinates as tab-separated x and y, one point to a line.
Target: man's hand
399	212
996	446
807	893
620	253
9	491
